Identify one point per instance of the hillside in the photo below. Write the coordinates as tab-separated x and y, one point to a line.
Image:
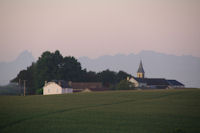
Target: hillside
150	111
156	65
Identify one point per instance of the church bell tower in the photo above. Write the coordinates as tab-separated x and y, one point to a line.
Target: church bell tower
140	72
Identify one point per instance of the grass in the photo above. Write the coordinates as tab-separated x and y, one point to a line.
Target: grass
149	111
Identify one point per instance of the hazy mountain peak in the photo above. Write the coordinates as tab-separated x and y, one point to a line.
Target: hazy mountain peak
156	65
9	70
25	55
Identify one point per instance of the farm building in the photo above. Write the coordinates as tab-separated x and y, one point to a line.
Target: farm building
56	87
158	83
175	84
61	87
87	86
155	83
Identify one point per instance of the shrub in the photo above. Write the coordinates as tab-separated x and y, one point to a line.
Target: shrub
124	85
39	91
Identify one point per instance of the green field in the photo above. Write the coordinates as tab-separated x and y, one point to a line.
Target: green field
152	111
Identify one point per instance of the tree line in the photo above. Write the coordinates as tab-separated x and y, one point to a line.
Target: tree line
52	65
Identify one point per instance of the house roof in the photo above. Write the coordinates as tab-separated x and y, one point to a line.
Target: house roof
153	81
140	69
140	80
174	83
84	85
62	83
91	89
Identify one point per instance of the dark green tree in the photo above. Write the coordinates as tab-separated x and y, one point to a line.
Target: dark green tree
124	85
89	76
121	75
27	75
48	67
108	78
53	66
70	69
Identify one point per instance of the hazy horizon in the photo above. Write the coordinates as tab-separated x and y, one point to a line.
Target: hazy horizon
96	28
157	65
93	58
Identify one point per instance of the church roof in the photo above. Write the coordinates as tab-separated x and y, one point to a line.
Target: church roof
153	81
175	83
84	85
140	69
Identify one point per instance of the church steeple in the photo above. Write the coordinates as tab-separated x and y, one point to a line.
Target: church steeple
140	72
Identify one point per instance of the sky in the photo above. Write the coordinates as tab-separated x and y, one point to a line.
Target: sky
99	27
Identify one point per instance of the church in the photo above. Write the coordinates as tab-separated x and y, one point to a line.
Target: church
152	83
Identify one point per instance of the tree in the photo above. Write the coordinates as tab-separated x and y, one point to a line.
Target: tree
48	67
111	78
27	75
70	69
89	76
108	77
124	85
52	65
121	75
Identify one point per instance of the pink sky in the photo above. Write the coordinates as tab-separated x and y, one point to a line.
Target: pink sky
93	28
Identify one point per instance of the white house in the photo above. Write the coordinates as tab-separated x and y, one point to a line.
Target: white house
136	83
56	87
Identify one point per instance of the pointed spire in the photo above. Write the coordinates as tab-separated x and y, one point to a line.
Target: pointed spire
140	69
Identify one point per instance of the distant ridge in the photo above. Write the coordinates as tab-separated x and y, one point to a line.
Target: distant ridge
9	70
184	68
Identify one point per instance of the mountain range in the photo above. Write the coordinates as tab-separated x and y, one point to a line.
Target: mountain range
185	69
9	70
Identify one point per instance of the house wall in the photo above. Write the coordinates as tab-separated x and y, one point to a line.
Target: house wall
136	83
132	80
67	90
52	88
86	90
84	85
176	86
152	86
142	85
